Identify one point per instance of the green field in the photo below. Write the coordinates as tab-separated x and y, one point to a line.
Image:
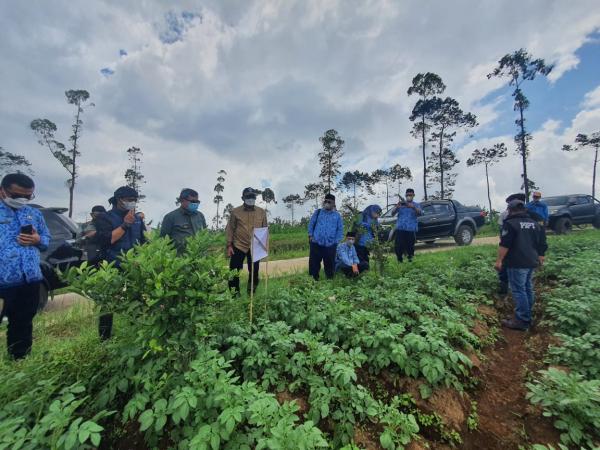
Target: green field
344	364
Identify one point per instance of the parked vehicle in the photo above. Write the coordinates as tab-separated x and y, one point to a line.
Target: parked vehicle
62	253
442	219
568	210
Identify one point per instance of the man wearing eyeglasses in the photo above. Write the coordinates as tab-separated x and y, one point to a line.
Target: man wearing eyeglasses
184	221
23	234
238	232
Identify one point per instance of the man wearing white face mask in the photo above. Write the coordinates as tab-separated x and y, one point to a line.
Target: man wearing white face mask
23	234
118	231
238	232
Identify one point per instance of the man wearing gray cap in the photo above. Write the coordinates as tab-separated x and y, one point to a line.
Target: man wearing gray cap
522	249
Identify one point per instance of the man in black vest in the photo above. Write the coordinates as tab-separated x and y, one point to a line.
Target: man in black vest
117	231
522	249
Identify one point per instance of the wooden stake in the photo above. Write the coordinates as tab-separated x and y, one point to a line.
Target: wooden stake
251	275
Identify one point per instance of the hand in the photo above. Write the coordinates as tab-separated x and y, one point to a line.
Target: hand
498	265
141	215
230	251
28	240
541	259
129	217
355	268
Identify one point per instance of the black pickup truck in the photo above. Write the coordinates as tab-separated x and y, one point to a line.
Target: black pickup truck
442	219
568	210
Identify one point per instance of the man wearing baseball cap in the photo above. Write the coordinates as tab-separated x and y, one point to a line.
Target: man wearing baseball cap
538	209
185	221
238	232
118	231
521	251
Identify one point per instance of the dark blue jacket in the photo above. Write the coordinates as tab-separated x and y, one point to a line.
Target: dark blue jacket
110	221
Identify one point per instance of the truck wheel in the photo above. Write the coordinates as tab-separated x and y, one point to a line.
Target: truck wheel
596	221
464	235
43	297
563	225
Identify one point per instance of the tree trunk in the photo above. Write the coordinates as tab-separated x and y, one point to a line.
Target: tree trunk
387	195
71	187
487	180
218	215
424	158
524	154
354	195
594	173
441	164
74	167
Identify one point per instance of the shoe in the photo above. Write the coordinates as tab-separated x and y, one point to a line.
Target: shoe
515	324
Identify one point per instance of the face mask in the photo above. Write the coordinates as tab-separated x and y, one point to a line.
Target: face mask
328	206
129	205
249	201
536	199
375	215
350	242
192	207
16	203
409	198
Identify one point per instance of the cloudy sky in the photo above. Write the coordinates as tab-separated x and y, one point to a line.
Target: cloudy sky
249	86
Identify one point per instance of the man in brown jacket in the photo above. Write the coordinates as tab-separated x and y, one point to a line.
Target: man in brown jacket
238	232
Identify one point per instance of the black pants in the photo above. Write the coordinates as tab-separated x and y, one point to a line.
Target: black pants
320	253
363	255
362	266
405	244
20	307
237	263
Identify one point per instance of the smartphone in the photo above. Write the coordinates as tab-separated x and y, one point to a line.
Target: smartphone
26	229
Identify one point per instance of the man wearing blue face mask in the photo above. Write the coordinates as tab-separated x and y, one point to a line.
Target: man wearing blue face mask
184	221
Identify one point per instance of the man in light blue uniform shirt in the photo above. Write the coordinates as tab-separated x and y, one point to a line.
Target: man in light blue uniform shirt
346	258
23	234
325	231
539	209
406	226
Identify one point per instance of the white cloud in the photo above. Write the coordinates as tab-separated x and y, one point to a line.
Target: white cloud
251	86
592	99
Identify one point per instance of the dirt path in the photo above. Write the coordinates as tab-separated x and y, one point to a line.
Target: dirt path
288	266
506	418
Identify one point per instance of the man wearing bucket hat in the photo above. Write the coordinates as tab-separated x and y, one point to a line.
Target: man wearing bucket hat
238	232
118	231
521	251
184	221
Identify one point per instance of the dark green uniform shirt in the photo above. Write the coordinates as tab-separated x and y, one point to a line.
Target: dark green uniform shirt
180	225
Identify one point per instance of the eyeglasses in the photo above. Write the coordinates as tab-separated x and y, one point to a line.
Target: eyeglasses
15	195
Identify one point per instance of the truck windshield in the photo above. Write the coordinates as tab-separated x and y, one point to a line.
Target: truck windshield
556	201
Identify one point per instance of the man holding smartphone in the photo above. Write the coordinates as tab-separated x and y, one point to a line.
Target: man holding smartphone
118	231
23	234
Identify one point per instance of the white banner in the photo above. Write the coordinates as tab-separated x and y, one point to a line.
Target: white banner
260	244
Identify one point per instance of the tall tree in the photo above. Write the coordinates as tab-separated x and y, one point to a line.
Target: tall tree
45	129
426	86
268	196
399	174
329	158
133	175
11	162
218	189
355	183
446	121
227	211
487	156
291	201
591	141
313	192
519	67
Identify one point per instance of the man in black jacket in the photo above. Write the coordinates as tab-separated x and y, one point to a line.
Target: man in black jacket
522	249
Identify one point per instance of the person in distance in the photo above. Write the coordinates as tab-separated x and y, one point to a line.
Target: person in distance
366	228
406	226
185	221
325	231
346	259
